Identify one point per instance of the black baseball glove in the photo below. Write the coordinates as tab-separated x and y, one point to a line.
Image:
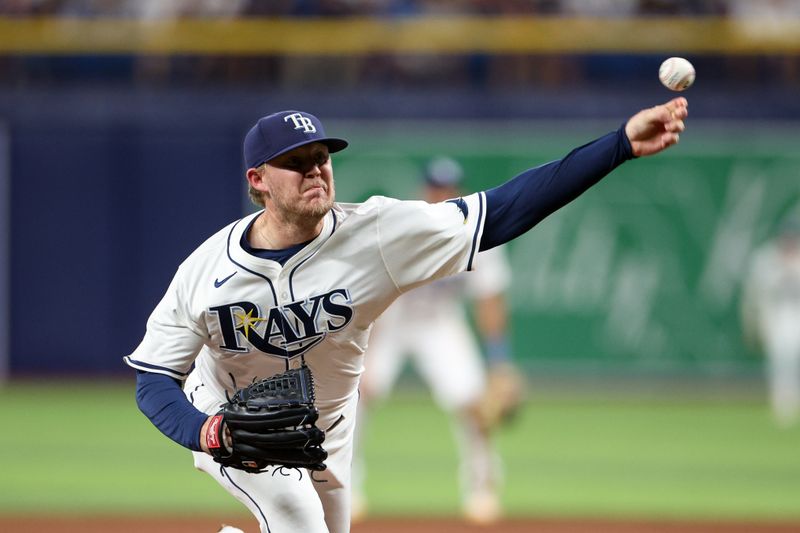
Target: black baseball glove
271	422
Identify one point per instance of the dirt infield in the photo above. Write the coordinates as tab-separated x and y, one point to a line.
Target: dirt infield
385	525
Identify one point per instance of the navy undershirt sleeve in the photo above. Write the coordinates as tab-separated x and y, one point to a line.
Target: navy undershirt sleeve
522	202
161	399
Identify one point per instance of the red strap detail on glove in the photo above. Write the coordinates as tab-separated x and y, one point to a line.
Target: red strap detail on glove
213	432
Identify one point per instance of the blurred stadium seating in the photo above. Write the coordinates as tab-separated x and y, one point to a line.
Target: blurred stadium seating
385	44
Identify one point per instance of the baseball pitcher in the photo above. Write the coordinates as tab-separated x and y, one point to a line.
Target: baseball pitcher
253	356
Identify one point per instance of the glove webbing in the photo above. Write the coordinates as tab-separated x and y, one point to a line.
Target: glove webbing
293	387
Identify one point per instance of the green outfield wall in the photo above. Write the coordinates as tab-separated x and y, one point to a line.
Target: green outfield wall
642	274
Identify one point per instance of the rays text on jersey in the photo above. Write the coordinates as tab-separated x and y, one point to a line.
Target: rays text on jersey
285	331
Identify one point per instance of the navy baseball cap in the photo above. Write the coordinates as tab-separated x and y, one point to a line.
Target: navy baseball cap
280	132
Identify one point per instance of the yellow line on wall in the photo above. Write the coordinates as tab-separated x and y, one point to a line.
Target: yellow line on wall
452	35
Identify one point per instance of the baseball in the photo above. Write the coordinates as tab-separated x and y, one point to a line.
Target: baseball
676	73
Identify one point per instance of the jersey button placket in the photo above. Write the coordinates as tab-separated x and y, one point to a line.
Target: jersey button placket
283	285
284	295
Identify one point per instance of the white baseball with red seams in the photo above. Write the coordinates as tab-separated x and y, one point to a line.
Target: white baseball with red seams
676	74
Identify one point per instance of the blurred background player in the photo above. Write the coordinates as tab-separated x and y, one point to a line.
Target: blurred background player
771	317
430	326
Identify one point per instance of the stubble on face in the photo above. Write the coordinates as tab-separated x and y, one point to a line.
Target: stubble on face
306	209
305	202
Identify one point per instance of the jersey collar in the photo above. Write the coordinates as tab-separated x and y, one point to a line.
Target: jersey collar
268	267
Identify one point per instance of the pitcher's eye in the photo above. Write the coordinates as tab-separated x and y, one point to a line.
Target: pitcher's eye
292	163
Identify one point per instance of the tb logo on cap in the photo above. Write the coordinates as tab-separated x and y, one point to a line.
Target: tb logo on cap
301	122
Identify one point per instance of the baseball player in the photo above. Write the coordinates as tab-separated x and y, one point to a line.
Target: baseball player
771	317
430	326
299	285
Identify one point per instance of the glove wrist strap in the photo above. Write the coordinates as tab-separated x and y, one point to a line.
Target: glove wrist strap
215	437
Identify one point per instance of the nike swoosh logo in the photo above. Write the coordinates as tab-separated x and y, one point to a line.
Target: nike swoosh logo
220	282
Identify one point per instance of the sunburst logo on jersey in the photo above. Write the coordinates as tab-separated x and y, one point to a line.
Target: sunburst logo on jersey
245	321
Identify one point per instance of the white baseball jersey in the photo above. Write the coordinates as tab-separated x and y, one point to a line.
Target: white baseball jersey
492	275
229	318
429	325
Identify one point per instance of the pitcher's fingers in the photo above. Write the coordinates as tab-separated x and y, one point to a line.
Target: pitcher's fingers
675	126
668	139
678	108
